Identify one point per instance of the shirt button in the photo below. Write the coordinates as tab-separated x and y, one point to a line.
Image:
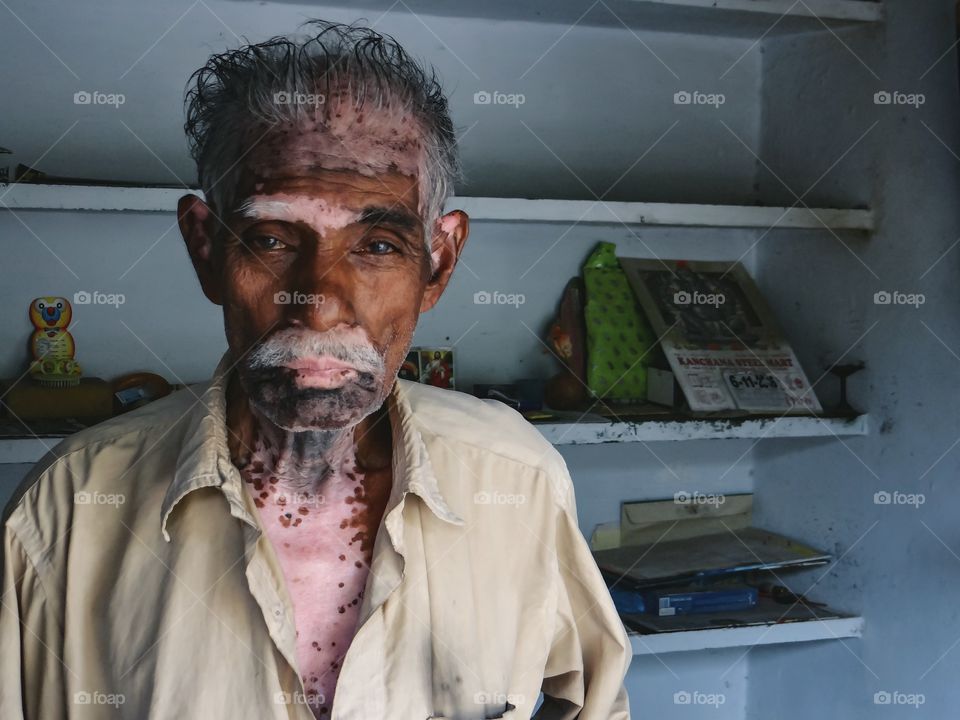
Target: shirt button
278	611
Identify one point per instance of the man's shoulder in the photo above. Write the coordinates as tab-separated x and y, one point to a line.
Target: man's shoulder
489	425
464	418
156	418
104	453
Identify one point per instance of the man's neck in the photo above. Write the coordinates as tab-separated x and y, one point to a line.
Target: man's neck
304	461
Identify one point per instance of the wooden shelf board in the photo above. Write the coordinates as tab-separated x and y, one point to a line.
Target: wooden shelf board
23	196
95	198
777	634
847	10
589	433
663	214
29	450
25	450
750	19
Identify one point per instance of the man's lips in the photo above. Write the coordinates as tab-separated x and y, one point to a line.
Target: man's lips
322	372
319	363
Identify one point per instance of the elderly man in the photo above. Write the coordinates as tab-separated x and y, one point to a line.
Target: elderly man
308	535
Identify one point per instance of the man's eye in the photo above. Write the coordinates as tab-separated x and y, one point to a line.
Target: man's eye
266	242
379	246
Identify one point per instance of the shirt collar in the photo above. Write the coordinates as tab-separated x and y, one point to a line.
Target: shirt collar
204	458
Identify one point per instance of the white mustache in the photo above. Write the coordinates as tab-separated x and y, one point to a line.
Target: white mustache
293	344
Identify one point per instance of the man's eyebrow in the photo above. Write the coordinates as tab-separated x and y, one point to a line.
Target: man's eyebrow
394	217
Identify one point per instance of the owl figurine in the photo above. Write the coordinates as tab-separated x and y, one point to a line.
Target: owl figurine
51	344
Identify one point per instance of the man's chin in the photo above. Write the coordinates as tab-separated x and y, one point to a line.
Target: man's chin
298	407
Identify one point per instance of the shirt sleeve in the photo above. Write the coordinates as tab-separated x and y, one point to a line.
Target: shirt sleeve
591	651
31	641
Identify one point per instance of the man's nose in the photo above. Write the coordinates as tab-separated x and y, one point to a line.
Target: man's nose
322	298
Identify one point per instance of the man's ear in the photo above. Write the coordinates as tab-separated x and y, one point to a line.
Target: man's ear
196	222
449	236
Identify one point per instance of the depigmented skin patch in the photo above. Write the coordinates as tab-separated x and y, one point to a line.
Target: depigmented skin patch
315	212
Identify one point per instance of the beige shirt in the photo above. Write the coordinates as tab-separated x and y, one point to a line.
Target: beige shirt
137	581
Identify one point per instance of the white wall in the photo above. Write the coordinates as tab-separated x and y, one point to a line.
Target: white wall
899	565
598	98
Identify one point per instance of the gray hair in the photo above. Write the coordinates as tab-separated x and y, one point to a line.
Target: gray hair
238	90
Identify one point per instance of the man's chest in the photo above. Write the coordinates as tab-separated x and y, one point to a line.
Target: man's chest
326	588
324	544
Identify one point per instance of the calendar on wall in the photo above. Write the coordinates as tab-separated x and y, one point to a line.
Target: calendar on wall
719	336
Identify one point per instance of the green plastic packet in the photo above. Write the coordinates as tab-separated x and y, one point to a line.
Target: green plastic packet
619	337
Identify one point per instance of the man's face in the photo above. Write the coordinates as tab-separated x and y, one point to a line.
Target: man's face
322	274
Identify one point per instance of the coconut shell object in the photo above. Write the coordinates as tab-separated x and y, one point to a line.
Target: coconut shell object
564	391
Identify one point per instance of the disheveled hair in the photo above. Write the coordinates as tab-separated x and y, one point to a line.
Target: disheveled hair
236	92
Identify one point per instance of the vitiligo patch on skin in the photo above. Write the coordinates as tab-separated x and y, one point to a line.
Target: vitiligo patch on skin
444	225
315	212
448	223
324	539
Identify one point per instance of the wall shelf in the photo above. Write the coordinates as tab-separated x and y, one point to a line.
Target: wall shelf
849	10
777	634
93	198
31	449
24	196
663	214
729	18
25	450
590	433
